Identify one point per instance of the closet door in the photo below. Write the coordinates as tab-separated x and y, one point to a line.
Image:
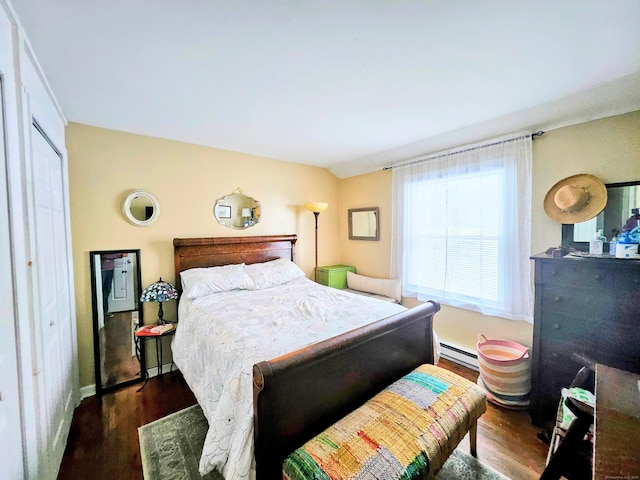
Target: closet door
54	297
10	427
11	447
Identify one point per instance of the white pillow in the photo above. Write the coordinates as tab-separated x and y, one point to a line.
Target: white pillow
379	286
275	272
197	282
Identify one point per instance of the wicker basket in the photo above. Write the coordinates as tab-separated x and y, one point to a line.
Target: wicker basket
505	372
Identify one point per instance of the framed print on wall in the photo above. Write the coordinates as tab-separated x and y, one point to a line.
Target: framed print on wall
223	211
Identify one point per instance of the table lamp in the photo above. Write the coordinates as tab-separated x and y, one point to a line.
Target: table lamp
159	292
246	214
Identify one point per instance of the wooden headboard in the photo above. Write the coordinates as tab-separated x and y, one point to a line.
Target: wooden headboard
215	251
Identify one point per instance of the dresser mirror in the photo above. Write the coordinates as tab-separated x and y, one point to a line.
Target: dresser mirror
621	198
364	223
141	208
117	313
237	210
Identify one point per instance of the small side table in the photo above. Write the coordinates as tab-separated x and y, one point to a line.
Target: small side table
158	339
334	275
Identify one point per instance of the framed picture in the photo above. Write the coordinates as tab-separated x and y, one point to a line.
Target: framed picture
224	211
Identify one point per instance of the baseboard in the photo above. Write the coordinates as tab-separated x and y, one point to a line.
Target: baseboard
87	391
166	368
90	390
460	355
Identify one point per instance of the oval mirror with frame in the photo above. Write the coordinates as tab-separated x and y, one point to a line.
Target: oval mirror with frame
141	208
237	210
364	223
621	198
117	313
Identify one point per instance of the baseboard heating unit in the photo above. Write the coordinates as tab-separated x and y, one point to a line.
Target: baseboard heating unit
460	355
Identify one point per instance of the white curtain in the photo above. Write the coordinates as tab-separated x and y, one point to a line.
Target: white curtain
462	227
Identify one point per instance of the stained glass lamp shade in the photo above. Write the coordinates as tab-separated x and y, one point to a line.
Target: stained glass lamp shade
159	292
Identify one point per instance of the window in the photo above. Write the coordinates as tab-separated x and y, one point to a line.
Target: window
462	228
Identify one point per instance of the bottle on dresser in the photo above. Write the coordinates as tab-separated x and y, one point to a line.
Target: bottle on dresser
595	245
612	245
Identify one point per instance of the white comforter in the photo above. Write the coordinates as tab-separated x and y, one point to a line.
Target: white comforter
221	336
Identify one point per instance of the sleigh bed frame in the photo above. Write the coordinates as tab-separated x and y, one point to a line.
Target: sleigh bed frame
298	395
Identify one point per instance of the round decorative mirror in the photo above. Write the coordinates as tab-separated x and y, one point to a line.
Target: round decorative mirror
141	208
237	211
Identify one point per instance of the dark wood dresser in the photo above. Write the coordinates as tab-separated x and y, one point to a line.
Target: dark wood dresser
582	305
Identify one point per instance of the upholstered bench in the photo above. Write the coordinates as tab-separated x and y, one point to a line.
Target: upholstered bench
407	431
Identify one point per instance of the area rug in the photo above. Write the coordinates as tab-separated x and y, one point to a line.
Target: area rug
170	449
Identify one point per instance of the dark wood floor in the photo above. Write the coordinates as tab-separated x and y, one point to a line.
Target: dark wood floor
507	440
103	442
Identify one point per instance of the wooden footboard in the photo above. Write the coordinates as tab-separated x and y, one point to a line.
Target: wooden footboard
298	395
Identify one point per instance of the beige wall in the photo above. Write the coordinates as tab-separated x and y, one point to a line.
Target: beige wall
187	179
370	258
104	165
608	148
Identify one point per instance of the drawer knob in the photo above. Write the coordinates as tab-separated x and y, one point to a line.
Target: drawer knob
556	326
597	276
557	299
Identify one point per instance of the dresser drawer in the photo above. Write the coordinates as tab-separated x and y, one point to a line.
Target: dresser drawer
556	357
627	294
556	273
627	279
568	328
591	333
577	301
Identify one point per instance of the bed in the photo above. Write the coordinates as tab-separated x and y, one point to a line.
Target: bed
295	388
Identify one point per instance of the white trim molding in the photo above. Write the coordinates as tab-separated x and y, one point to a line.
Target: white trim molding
90	390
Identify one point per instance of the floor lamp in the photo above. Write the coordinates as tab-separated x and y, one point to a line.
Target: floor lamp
316	208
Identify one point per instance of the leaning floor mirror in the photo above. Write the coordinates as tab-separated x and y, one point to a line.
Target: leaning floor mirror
115	293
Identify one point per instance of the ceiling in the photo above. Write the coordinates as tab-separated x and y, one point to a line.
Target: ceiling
350	85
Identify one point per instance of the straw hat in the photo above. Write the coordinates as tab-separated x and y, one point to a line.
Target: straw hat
576	199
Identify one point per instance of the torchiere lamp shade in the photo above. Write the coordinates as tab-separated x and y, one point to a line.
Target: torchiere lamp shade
316	207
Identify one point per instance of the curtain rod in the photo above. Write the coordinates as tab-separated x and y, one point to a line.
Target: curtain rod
423	158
